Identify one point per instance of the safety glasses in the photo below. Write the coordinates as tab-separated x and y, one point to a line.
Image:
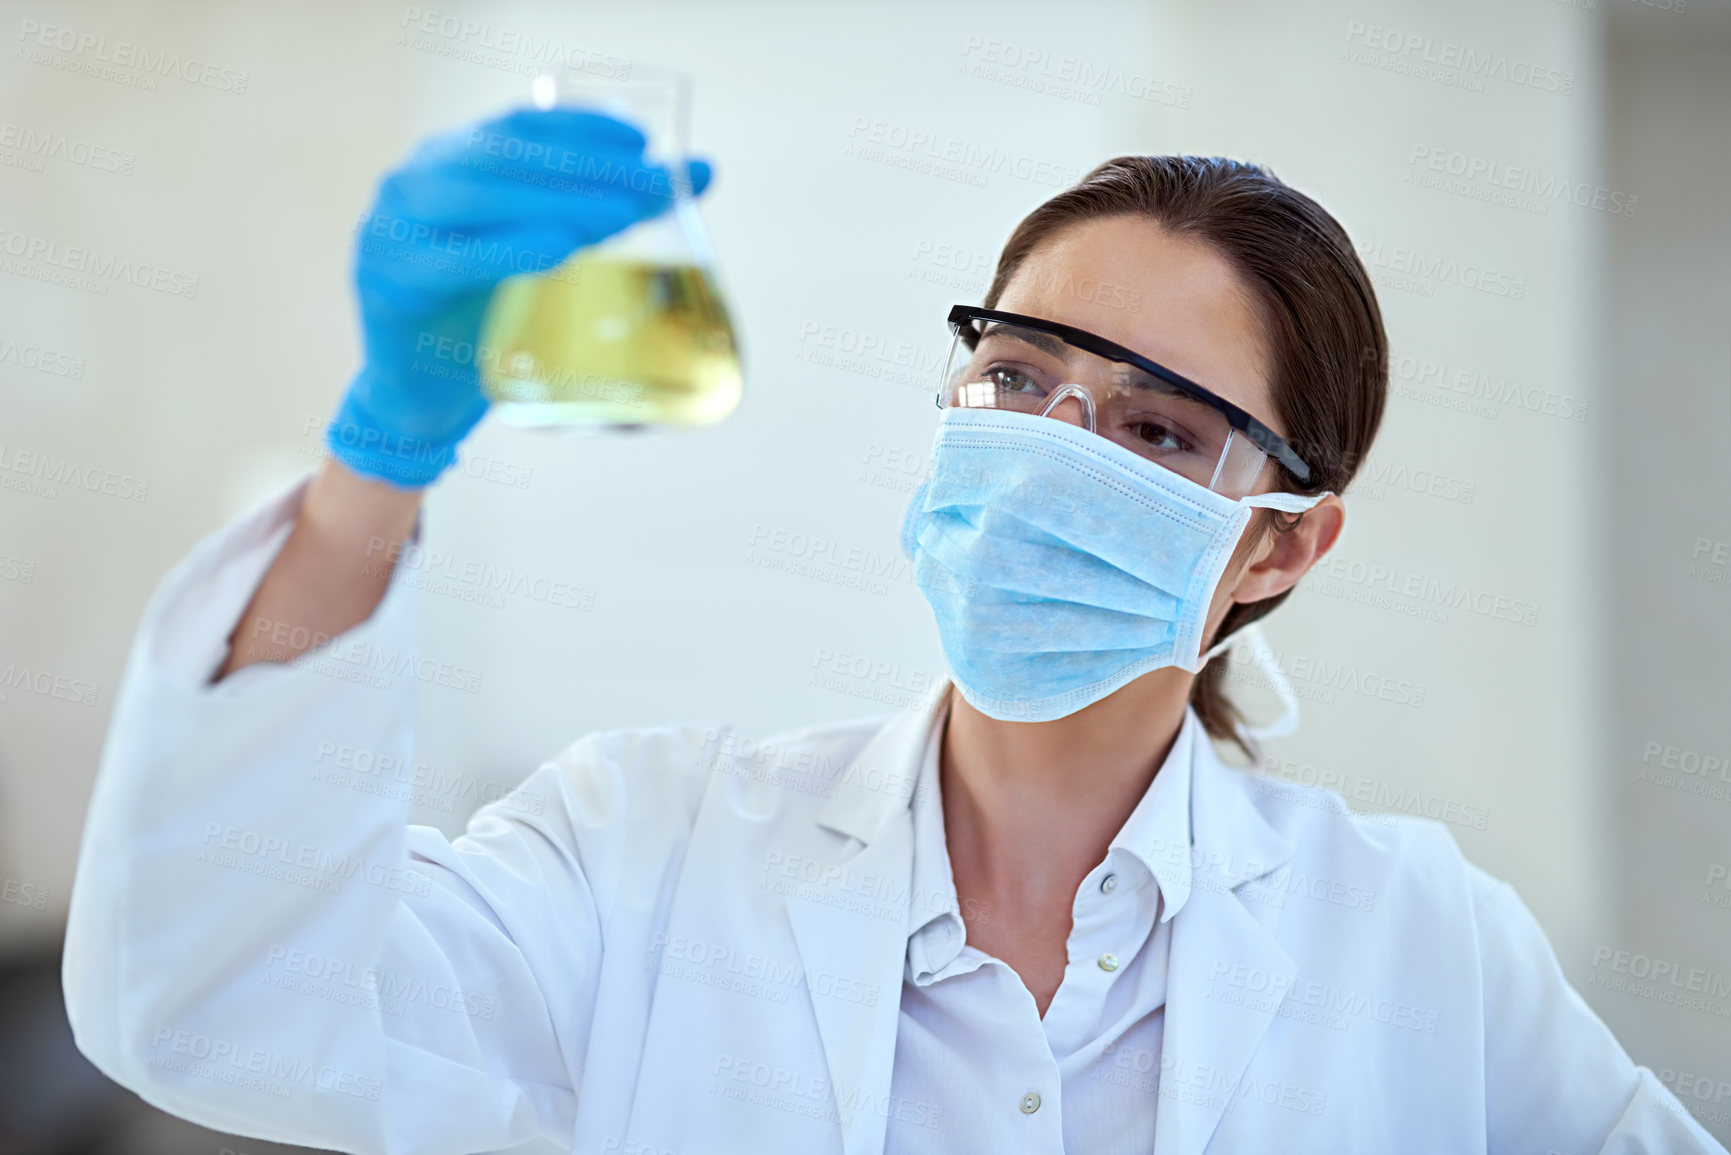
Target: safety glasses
1000	360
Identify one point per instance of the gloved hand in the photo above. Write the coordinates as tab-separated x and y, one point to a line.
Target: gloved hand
513	195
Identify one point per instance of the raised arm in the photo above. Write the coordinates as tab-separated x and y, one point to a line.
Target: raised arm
258	941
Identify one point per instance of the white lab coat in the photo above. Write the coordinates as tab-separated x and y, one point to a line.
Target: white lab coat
662	945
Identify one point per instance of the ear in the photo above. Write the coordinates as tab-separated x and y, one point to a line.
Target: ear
1283	558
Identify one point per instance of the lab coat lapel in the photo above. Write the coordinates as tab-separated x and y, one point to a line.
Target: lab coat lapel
1211	1032
852	925
837	944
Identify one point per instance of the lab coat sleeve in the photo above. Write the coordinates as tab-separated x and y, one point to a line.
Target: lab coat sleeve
1556	1078
264	951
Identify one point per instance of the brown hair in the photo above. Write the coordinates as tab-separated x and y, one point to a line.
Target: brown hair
1319	314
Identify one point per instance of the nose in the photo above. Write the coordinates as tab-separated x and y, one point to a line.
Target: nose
1073	404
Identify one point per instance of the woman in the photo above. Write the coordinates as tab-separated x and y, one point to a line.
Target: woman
1037	913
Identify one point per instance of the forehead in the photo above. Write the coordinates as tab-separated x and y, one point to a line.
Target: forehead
1169	297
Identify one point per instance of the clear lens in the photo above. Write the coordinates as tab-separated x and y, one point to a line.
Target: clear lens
1012	367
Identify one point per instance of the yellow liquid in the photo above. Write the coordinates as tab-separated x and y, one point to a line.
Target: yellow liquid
609	341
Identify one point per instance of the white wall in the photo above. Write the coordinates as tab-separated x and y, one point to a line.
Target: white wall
1663	507
1501	732
256	193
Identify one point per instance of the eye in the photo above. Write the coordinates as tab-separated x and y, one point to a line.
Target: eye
1159	436
1008	379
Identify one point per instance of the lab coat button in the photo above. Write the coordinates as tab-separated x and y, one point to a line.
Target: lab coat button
1109	884
1108	961
1030	1102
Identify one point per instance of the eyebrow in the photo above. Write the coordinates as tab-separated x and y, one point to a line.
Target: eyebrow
1138	378
1045	342
1132	375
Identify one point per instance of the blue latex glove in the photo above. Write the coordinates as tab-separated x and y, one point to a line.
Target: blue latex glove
513	195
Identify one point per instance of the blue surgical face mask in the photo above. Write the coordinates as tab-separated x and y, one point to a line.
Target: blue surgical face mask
1061	565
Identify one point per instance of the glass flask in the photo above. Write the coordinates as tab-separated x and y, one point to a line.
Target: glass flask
632	331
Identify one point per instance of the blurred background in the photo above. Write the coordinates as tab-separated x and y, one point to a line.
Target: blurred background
1539	550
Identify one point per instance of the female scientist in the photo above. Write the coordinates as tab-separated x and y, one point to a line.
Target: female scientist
1038	914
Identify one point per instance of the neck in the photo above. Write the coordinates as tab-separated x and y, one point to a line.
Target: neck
1031	807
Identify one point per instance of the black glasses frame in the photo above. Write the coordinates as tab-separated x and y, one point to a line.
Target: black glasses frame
1260	435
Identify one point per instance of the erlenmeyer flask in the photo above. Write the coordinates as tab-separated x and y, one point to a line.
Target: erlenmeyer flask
629	332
